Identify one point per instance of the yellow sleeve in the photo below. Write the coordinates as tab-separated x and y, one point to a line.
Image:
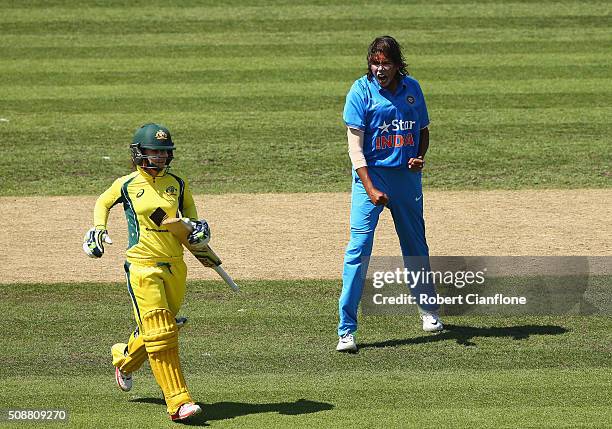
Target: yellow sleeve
106	201
189	208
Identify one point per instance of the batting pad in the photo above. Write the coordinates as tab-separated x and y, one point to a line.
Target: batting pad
160	336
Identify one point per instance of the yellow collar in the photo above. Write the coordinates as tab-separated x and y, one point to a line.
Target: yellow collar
148	176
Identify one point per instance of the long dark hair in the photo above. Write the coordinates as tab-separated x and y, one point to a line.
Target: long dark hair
391	49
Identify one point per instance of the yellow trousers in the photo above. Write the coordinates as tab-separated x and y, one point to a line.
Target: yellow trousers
157	290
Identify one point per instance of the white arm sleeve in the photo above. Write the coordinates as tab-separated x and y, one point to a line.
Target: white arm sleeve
355	144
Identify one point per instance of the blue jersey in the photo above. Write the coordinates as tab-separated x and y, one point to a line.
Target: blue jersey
391	122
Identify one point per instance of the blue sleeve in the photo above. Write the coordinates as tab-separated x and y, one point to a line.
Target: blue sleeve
422	109
355	108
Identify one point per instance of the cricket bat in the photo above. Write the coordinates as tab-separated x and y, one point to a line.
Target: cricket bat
181	230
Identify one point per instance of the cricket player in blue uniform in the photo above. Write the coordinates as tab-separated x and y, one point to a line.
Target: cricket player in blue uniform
387	129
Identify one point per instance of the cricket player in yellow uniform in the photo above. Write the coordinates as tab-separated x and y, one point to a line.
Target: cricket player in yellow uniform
154	267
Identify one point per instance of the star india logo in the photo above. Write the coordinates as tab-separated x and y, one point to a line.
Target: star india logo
161	135
395	140
397	125
384	128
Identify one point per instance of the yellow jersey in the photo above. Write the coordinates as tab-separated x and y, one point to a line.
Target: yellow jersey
147	200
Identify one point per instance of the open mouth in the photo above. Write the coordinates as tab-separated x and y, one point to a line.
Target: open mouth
382	79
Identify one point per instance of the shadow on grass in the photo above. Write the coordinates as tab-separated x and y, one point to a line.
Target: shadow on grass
229	410
464	334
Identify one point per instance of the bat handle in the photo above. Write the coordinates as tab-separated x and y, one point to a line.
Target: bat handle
226	277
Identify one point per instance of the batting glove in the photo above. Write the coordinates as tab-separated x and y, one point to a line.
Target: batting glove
200	235
93	242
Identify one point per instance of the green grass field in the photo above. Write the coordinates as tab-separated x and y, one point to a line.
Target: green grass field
519	93
520	97
266	359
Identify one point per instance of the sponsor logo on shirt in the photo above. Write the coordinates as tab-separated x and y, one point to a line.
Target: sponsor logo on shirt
395	140
397	125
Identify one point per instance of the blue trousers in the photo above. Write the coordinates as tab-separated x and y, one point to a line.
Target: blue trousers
405	192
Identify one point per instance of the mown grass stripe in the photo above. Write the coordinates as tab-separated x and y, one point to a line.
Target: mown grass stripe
149	65
325	50
376	397
342	38
326	119
306	307
62	4
451	127
433	75
314	89
296	25
288	12
225	160
280	103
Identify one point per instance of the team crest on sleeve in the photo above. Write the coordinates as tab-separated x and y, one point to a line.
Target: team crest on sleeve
410	99
161	135
171	190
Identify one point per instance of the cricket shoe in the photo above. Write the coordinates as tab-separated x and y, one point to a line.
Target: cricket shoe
346	343
124	381
431	322
185	411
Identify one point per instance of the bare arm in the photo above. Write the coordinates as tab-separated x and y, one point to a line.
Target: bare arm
355	142
377	197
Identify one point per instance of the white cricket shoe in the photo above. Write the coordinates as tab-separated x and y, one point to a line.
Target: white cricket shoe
124	381
431	322
185	411
346	343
